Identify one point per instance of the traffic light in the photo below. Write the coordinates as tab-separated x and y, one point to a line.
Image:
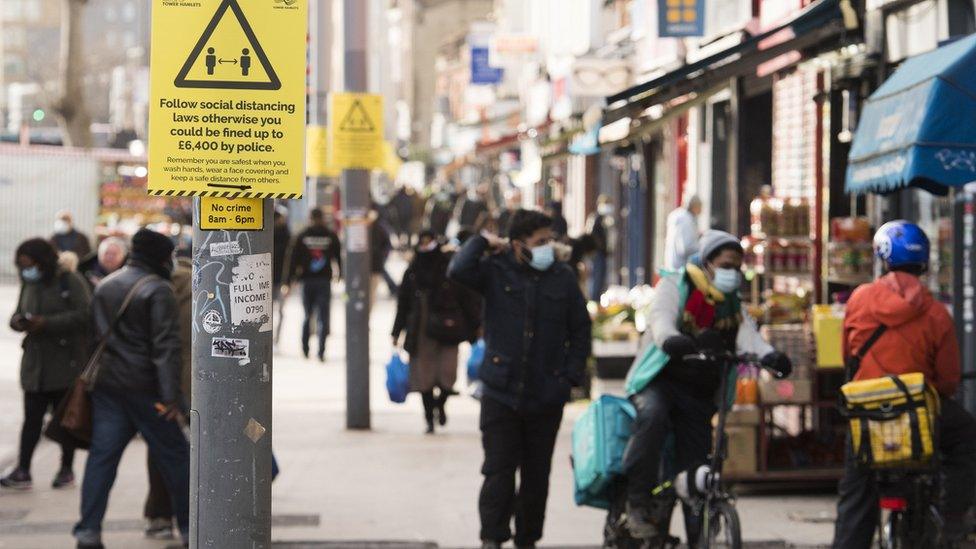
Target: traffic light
38	115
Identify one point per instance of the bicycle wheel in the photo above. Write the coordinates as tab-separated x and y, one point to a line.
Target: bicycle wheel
722	529
893	532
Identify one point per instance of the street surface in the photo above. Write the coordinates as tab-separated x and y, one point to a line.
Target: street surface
393	483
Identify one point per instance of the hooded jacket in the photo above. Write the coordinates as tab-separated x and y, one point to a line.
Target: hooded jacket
921	336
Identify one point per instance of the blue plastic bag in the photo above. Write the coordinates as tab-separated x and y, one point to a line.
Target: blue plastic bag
397	378
475	360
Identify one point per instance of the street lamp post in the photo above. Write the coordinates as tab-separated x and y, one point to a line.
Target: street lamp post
355	206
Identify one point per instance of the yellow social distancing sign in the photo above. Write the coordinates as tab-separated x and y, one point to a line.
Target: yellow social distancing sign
356	131
227	105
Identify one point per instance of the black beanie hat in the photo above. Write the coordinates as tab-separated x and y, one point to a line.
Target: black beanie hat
152	248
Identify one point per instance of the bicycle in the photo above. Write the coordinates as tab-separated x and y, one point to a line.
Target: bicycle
910	516
713	507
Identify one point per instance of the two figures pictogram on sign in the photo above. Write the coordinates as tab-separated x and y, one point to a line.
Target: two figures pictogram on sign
212	61
206	68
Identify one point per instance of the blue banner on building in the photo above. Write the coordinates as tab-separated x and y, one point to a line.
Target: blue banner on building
481	71
677	18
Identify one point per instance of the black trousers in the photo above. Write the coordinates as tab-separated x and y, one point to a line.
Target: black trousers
857	509
665	407
36	405
317	300
159	505
515	441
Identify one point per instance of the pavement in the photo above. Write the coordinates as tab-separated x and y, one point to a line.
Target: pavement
389	487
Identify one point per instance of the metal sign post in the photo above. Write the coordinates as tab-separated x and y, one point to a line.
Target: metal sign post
230	415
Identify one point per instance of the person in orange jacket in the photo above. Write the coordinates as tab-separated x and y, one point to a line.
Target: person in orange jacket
919	336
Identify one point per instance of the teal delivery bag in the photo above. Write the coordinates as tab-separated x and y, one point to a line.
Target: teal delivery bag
600	437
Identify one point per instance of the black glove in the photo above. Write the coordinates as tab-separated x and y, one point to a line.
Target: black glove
778	363
712	341
680	345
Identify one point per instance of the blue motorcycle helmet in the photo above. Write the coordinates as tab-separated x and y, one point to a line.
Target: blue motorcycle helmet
902	246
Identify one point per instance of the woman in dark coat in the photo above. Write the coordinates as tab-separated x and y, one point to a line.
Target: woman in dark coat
437	315
52	312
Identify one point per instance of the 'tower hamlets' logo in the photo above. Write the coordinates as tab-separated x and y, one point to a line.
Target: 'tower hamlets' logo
287	4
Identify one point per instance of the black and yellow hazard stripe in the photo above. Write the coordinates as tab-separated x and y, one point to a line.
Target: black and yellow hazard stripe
225	194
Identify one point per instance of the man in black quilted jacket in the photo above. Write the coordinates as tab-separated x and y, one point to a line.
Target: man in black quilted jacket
137	387
537	340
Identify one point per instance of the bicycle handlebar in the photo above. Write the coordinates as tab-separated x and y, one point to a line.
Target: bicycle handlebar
728	358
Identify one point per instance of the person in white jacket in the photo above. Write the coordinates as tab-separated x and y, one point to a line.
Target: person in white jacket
700	303
681	236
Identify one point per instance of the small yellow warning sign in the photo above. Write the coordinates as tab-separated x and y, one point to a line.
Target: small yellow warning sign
356	140
227	98
317	153
231	214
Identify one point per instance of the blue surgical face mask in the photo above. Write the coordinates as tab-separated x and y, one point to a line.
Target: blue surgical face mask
31	274
542	257
727	280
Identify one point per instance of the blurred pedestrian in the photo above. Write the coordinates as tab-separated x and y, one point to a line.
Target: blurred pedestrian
438	211
281	248
513	201
68	239
314	252
110	258
560	227
537	337
599	226
682	234
137	386
583	249
471	212
417	214
52	313
379	251
402	206
437	314
158	509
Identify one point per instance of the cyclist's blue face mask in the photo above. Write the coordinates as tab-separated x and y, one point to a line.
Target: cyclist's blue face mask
727	280
727	272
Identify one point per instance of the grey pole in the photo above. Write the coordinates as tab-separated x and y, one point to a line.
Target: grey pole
230	415
355	205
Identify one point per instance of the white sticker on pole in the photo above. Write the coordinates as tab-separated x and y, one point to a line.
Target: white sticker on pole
250	291
357	235
223	347
218	249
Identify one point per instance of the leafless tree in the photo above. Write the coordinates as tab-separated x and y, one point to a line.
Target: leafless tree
71	108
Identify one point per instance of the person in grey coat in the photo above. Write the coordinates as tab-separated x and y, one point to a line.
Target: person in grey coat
52	313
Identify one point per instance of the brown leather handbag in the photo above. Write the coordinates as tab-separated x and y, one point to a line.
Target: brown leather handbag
71	423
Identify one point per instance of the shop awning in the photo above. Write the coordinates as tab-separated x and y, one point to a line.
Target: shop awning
916	129
817	22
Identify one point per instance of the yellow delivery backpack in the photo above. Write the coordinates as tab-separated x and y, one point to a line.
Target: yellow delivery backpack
892	419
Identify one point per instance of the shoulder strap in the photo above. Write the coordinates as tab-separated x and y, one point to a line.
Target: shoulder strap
91	369
854	362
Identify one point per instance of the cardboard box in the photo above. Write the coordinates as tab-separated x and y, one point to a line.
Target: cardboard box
742	450
786	391
740	415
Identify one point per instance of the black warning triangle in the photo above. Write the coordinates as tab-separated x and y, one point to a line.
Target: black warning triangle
181	79
357	120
